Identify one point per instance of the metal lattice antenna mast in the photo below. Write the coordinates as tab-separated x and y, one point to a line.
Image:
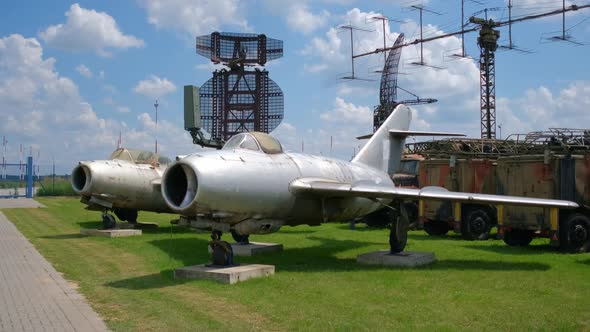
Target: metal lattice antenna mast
156	107
422	9
351	28
383	19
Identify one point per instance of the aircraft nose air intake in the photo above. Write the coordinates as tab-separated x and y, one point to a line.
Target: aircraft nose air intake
81	177
179	186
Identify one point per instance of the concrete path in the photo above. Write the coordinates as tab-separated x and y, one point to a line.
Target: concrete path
12	203
33	295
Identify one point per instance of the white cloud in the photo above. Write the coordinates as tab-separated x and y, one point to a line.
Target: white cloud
154	87
541	108
84	71
195	17
123	109
44	109
88	30
344	112
300	18
101	75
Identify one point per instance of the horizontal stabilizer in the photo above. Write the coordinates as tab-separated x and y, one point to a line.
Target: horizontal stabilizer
406	133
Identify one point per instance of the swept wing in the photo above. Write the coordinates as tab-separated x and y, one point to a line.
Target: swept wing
327	188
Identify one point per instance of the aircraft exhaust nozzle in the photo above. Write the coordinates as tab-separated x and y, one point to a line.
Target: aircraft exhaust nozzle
81	179
179	188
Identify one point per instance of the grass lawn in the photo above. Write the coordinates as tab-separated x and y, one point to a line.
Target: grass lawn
317	286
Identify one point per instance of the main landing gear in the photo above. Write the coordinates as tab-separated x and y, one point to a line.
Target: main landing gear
108	220
223	254
398	234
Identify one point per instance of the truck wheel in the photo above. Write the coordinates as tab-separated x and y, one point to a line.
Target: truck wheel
436	227
518	237
476	225
574	233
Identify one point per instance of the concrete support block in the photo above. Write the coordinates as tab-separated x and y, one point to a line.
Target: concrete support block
225	275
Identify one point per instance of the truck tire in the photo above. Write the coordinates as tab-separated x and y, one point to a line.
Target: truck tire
518	237
476	225
436	227
574	233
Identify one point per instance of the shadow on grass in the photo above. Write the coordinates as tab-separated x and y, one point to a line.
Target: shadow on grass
471	264
515	250
585	262
63	236
422	236
321	257
150	281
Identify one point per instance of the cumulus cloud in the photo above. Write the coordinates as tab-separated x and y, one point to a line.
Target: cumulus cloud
300	18
44	109
84	71
540	109
344	112
154	87
88	30
195	17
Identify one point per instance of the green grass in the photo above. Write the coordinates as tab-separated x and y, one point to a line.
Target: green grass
55	187
318	285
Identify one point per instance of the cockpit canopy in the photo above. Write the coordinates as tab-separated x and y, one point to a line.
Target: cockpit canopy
139	156
254	141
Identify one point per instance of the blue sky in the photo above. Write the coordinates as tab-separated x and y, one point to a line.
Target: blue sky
75	74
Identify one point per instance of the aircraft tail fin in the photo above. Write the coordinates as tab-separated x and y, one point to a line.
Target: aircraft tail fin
384	150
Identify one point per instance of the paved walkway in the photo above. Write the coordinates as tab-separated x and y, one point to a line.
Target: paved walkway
12	203
33	295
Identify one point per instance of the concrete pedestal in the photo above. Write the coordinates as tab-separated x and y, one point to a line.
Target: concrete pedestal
111	232
402	259
227	275
253	248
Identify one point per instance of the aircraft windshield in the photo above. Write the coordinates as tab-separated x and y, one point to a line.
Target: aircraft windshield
139	156
254	141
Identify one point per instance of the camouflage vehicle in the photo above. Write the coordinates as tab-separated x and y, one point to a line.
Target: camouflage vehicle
555	176
473	221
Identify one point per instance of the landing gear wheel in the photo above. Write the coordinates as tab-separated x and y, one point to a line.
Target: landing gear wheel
574	233
239	238
518	237
436	227
398	234
476	225
223	254
108	221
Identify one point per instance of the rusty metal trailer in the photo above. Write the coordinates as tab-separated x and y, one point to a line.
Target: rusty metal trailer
551	164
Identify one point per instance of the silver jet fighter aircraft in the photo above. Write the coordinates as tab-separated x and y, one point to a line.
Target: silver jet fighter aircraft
251	186
129	181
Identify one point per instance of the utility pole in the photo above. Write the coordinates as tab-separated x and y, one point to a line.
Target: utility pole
156	107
